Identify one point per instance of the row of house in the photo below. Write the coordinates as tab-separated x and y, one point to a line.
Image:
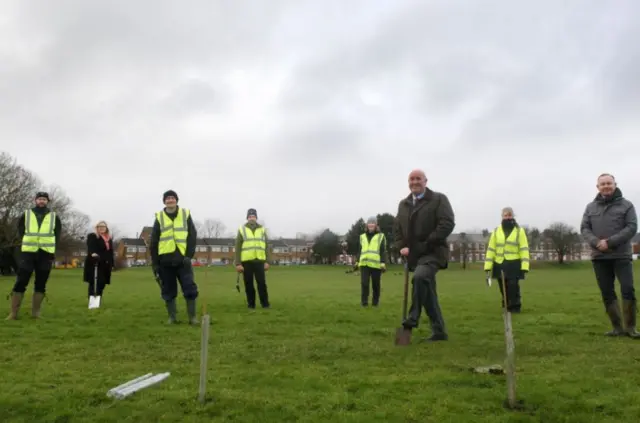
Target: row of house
212	251
135	251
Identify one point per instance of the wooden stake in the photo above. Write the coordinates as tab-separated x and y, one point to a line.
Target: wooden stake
204	361
204	342
510	364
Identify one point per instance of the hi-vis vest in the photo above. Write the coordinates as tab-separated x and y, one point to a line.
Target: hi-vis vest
42	237
515	247
173	233
370	251
254	244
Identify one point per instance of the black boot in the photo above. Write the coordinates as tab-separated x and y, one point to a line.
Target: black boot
172	311
191	311
613	311
630	310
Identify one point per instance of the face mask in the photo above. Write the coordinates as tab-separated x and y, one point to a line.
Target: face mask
507	222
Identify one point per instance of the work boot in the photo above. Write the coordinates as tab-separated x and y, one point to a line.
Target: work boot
16	301
629	310
172	311
36	304
613	311
437	337
191	311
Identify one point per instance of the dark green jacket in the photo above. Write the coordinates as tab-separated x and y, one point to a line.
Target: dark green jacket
239	240
424	228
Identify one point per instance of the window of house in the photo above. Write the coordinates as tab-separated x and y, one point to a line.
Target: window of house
142	249
202	260
216	249
131	249
225	249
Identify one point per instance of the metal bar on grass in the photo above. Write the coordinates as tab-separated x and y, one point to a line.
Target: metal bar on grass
125	385
141	385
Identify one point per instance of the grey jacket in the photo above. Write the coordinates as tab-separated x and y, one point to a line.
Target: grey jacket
613	219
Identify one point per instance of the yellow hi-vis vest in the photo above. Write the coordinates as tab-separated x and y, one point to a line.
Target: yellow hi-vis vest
42	237
254	244
515	247
370	251
173	233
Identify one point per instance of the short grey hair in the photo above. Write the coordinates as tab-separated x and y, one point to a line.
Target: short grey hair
508	210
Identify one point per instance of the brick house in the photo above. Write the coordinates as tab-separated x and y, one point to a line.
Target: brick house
72	255
133	251
476	247
299	250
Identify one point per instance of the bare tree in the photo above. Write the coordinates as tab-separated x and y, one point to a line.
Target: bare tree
200	228
563	237
464	248
17	193
115	234
75	224
213	228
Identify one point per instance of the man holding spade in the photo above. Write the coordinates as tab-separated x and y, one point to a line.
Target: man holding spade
424	221
252	259
172	246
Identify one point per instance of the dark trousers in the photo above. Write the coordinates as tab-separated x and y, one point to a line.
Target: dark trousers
514	300
606	272
171	275
96	290
424	294
370	277
255	269
40	263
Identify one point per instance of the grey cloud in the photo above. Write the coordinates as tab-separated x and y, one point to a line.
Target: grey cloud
196	96
519	60
93	68
315	143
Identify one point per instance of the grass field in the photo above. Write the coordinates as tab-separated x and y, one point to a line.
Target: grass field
317	356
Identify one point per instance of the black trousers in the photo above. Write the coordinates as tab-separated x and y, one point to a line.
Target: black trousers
171	275
425	295
40	263
514	299
255	269
98	290
606	272
370	277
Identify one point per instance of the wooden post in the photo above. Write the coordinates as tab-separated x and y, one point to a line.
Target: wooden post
510	364
204	344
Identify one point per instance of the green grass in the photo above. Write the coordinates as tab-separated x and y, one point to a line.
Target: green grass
317	356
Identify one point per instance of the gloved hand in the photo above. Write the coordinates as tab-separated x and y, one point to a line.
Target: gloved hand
487	278
383	267
186	261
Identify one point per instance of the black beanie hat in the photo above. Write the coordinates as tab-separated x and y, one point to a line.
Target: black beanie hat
170	193
252	212
42	194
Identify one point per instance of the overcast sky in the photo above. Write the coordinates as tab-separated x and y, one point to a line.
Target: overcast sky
314	112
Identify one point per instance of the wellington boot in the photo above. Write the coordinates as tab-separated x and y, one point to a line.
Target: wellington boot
613	311
16	301
172	310
36	304
191	311
630	312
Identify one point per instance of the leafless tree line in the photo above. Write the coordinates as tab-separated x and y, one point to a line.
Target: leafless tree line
18	186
